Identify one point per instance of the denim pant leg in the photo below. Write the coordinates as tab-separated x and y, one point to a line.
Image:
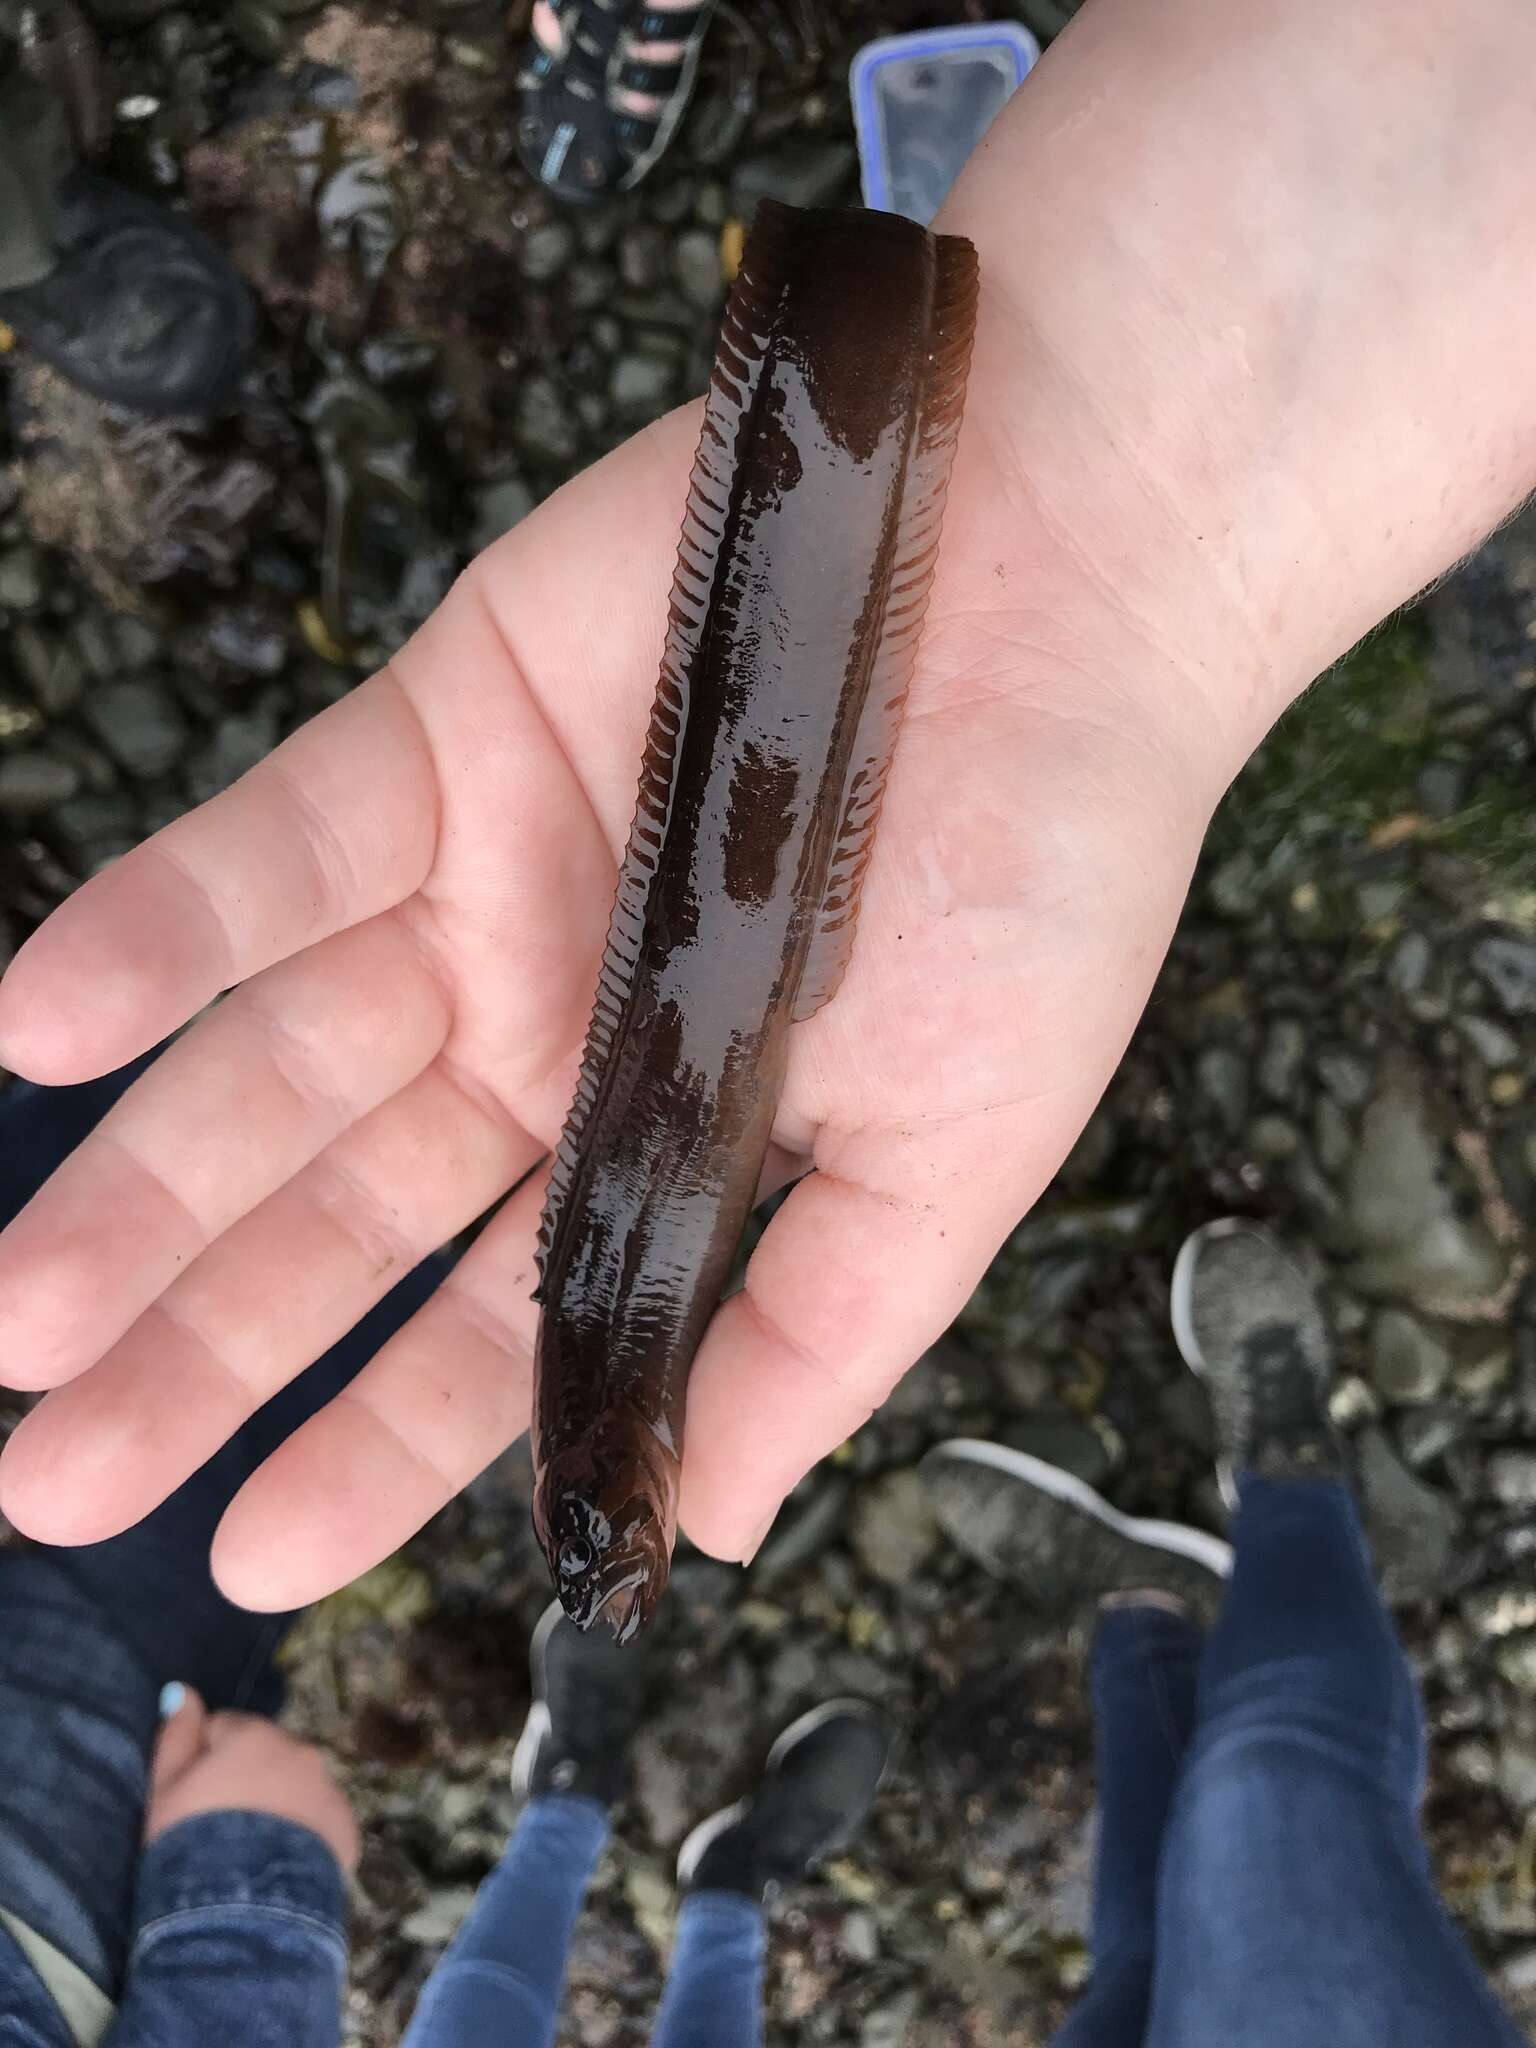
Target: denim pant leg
714	1994
78	1715
1145	1667
500	1979
1296	1903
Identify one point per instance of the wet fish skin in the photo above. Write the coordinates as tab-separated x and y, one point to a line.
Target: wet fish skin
803	572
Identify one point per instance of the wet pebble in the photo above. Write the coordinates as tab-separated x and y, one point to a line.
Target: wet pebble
237	745
1412	1526
642	256
546	250
499	506
696	260
50	668
1410	1362
22	582
35	782
1509	968
639	386
1221	1075
893	1528
140	724
1285	1046
545	428
1512	1478
809	172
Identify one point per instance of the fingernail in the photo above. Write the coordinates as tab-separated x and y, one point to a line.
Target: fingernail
751	1549
173	1697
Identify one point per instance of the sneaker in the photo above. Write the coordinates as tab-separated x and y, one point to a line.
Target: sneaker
1062	1546
605	88
1248	1323
817	1788
120	295
587	1697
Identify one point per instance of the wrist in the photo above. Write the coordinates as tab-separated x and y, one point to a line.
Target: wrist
1252	365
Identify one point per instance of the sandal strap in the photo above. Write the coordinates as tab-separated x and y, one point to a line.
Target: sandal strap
662	80
669	24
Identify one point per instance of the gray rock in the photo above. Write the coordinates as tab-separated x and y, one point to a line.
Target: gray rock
640	386
859	1937
1332	1138
1512	1478
1516	1661
35	782
1026	1381
238	744
1274	1138
1346	1077
140	724
802	1531
1221	1075
95	823
1285	1046
1425	1434
434	1924
801	173
499	506
1409	1361
1234	887
696	261
588	285
545	429
1408	967
22	582
50	668
894	1530
546	250
1412	1209
1517	1973
1502	1610
642	256
1494	1046
1352	1401
1412	1527
1509	968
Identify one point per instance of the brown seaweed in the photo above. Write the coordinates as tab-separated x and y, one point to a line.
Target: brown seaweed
808	546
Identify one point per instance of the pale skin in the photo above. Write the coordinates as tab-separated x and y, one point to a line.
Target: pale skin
215	1763
1254	364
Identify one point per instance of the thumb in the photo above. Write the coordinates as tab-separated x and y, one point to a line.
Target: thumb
182	1740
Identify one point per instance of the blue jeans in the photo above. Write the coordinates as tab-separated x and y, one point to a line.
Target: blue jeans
500	1981
1261	1874
232	1925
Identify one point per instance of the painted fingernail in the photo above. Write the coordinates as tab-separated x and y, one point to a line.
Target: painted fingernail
173	1697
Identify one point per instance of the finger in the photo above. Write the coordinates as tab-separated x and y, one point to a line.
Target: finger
858	1273
439	1403
101	1452
223	1118
308	843
181	1742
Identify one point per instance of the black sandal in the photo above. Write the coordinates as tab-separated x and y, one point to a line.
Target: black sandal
604	90
123	297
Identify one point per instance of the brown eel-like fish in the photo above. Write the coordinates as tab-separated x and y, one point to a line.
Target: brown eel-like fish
807	552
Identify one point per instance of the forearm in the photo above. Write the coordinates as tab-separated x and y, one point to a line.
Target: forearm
1255	358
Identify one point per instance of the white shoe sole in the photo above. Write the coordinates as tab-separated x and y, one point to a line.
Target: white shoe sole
1174	1538
537	1726
709	1830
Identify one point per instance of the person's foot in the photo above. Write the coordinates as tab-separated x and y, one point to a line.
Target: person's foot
1058	1543
604	89
120	295
587	1695
817	1788
1248	1323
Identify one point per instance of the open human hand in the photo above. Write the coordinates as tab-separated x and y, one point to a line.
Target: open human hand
408	899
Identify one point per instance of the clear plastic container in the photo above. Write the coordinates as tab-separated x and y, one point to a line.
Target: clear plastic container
922	102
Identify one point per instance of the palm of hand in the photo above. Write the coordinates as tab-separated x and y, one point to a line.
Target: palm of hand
430	866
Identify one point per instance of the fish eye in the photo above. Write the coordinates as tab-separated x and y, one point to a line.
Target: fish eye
577	1555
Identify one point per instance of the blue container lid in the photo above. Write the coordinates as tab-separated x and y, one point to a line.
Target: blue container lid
1005	45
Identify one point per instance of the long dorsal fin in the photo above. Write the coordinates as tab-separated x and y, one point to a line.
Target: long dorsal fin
952	329
745	337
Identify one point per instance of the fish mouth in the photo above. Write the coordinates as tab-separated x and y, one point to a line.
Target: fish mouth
609	1568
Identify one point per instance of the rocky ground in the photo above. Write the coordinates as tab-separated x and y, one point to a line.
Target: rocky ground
1341	1040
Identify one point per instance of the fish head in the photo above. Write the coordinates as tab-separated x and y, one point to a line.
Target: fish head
605	1511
